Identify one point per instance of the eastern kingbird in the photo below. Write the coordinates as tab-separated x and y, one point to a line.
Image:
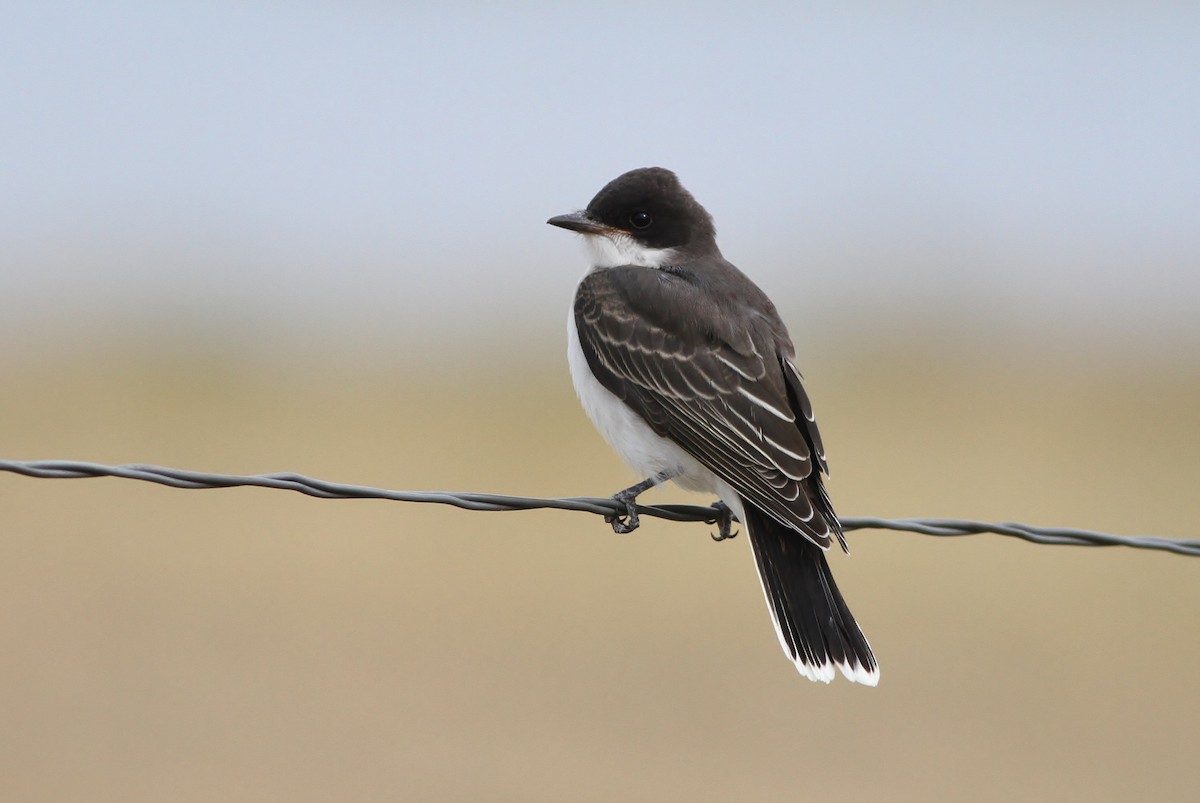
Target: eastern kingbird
686	369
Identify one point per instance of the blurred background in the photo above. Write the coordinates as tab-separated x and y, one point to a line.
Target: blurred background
252	237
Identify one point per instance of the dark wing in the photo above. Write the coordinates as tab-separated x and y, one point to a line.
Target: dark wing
729	395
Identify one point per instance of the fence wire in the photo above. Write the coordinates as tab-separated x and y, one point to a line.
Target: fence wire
288	481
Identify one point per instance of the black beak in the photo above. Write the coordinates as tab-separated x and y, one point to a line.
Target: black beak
581	222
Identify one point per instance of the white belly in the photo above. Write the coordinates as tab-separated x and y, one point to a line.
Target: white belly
632	438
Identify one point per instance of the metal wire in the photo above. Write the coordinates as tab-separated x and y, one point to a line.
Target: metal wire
288	481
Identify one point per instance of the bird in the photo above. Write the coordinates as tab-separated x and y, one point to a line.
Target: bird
686	369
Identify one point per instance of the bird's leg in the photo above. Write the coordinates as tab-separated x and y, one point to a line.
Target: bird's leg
724	522
628	497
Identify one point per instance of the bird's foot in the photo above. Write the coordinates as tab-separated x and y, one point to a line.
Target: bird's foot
628	522
724	522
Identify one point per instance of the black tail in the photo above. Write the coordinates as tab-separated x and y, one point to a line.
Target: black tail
814	625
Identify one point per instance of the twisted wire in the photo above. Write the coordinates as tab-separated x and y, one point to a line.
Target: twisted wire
323	489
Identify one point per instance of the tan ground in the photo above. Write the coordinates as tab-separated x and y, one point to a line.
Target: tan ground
254	645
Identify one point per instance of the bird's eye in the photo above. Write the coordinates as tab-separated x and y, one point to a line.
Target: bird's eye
641	219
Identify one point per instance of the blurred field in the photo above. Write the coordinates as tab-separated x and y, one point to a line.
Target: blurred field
252	645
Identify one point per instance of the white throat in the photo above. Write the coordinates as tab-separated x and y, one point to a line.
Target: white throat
614	249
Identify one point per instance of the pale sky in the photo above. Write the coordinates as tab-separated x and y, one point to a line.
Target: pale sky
328	167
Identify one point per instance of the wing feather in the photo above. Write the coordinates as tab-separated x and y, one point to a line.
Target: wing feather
731	398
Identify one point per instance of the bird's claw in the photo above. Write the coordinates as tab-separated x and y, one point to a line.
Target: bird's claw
628	522
724	522
622	524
